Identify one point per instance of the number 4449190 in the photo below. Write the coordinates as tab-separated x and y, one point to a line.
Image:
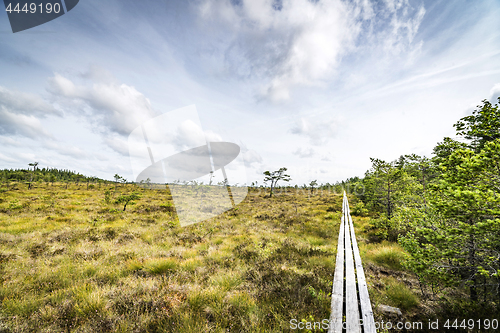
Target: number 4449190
34	8
471	324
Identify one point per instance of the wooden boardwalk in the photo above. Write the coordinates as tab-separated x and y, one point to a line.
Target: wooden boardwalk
351	308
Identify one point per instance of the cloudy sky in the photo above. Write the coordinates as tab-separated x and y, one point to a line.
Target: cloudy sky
317	86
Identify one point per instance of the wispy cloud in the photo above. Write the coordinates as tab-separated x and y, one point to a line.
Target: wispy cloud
114	107
304	152
8	141
18	102
117	143
20	114
300	42
20	124
390	68
318	131
7	158
67	150
495	93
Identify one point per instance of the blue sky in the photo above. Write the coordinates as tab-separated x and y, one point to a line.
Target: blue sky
318	87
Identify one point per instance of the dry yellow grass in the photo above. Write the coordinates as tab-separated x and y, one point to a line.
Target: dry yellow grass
71	262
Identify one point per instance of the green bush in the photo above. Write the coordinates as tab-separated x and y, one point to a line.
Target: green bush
359	209
382	228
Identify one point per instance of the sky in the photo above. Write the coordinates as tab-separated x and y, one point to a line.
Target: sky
316	86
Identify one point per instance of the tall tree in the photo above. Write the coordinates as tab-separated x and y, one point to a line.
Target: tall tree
482	126
381	185
463	244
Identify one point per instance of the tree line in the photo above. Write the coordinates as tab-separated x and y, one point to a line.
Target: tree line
445	210
47	175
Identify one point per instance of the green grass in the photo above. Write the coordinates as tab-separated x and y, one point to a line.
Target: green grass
400	296
387	255
70	262
161	266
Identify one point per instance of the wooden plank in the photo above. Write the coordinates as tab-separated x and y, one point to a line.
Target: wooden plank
348	254
335	325
352	310
364	298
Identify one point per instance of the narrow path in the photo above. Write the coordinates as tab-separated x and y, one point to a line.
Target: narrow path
351	309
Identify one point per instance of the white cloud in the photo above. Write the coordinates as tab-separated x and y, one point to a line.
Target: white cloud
7	158
188	135
62	86
66	149
302	42
99	74
318	132
495	93
304	152
114	107
27	104
6	141
251	157
212	136
117	144
403	26
20	114
20	124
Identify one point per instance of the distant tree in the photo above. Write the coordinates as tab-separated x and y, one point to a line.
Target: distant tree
32	173
34	165
52	179
312	185
107	196
77	179
46	178
127	199
117	178
5	179
274	177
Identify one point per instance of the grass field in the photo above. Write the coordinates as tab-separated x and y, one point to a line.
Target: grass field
71	262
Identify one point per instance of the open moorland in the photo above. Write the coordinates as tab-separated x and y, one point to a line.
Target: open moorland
72	260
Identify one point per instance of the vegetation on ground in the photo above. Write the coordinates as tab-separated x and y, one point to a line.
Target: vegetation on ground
73	261
81	254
